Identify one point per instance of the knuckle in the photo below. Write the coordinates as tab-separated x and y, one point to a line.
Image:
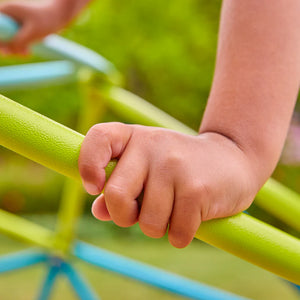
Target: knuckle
98	131
171	161
156	136
180	238
121	207
115	194
152	229
174	158
87	170
197	189
122	223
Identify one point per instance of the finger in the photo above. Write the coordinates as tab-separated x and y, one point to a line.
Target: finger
125	185
11	9
185	219
102	143
157	205
4	50
22	40
99	209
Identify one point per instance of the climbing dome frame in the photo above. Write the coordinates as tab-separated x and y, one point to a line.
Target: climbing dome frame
57	147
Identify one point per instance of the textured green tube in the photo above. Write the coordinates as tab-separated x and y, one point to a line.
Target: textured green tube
132	107
57	147
27	231
281	202
40	139
256	242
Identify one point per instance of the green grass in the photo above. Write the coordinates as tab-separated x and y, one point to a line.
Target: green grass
198	261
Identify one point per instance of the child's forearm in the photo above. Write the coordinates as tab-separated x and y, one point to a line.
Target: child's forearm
256	79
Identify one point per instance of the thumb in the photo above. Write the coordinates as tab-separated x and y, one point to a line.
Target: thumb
102	143
99	209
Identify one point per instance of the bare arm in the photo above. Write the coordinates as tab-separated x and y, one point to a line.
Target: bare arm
38	19
256	79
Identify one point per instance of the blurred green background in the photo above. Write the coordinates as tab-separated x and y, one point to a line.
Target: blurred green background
166	51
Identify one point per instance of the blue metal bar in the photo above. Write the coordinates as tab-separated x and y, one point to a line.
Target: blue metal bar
150	275
55	46
296	286
21	259
49	281
82	289
8	27
36	73
58	47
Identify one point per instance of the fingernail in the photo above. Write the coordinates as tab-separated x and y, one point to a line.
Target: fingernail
91	188
93	207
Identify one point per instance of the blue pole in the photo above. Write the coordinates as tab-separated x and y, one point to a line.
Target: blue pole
150	275
296	286
20	260
82	289
36	73
8	27
58	47
49	281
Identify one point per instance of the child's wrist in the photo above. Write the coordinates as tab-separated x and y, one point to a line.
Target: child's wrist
257	171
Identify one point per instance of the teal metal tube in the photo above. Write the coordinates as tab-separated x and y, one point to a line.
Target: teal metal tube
54	46
24	76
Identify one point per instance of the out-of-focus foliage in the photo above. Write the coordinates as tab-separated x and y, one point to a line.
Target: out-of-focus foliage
166	49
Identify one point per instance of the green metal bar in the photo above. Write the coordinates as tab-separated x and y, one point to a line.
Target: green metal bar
73	194
70	209
136	109
26	231
40	139
255	242
281	202
231	234
58	47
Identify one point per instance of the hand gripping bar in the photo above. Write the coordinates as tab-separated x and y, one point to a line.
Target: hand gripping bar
57	147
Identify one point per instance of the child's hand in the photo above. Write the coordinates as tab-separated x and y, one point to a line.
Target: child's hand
185	179
37	19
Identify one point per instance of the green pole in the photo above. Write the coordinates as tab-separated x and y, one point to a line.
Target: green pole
57	147
281	202
73	195
27	231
